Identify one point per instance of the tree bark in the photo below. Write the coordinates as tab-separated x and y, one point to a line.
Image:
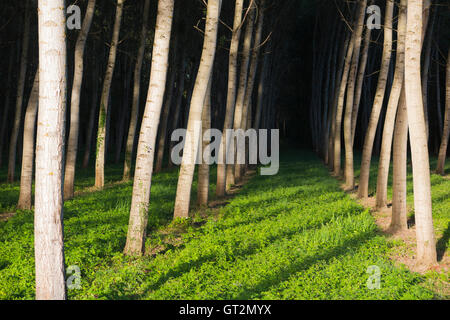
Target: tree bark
203	168
426	245
391	112
92	116
7	104
48	213
104	103
146	147
136	96
340	109
72	146
399	221
191	146
19	98
446	132
348	140
164	121
231	99
243	81
26	177
363	188
247	108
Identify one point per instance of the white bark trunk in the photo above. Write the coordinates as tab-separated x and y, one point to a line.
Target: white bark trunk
72	146
48	213
26	177
231	98
146	147
104	103
136	96
191	146
426	245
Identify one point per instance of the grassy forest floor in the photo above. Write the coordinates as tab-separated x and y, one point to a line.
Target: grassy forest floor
295	235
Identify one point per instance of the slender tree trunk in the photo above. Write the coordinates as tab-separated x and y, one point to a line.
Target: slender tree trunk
19	98
72	147
164	122
390	123
377	104
247	108
243	81
348	141
340	109
136	96
399	219
176	116
261	92
48	213
92	116
426	245
7	104
26	178
446	132
231	100
191	146
360	81
438	93
203	168
338	77
426	69
146	147
104	103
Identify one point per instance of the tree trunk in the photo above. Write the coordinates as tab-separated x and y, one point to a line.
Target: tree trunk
191	146
136	96
247	108
72	147
426	245
399	221
426	69
203	168
48	213
19	98
104	103
231	99
176	116
348	141
92	116
360	81
261	92
340	109
391	112
446	132
243	81
26	178
363	188
164	121
7	104
146	147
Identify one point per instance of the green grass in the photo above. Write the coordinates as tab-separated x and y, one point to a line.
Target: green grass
295	235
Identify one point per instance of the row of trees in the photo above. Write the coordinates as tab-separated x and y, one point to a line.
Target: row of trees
399	105
178	69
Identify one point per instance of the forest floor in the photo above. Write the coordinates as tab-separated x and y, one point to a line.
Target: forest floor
295	235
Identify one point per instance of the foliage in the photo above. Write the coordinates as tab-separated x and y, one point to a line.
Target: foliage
295	235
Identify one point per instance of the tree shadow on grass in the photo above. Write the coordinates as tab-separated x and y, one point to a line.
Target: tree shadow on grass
186	267
286	272
442	243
